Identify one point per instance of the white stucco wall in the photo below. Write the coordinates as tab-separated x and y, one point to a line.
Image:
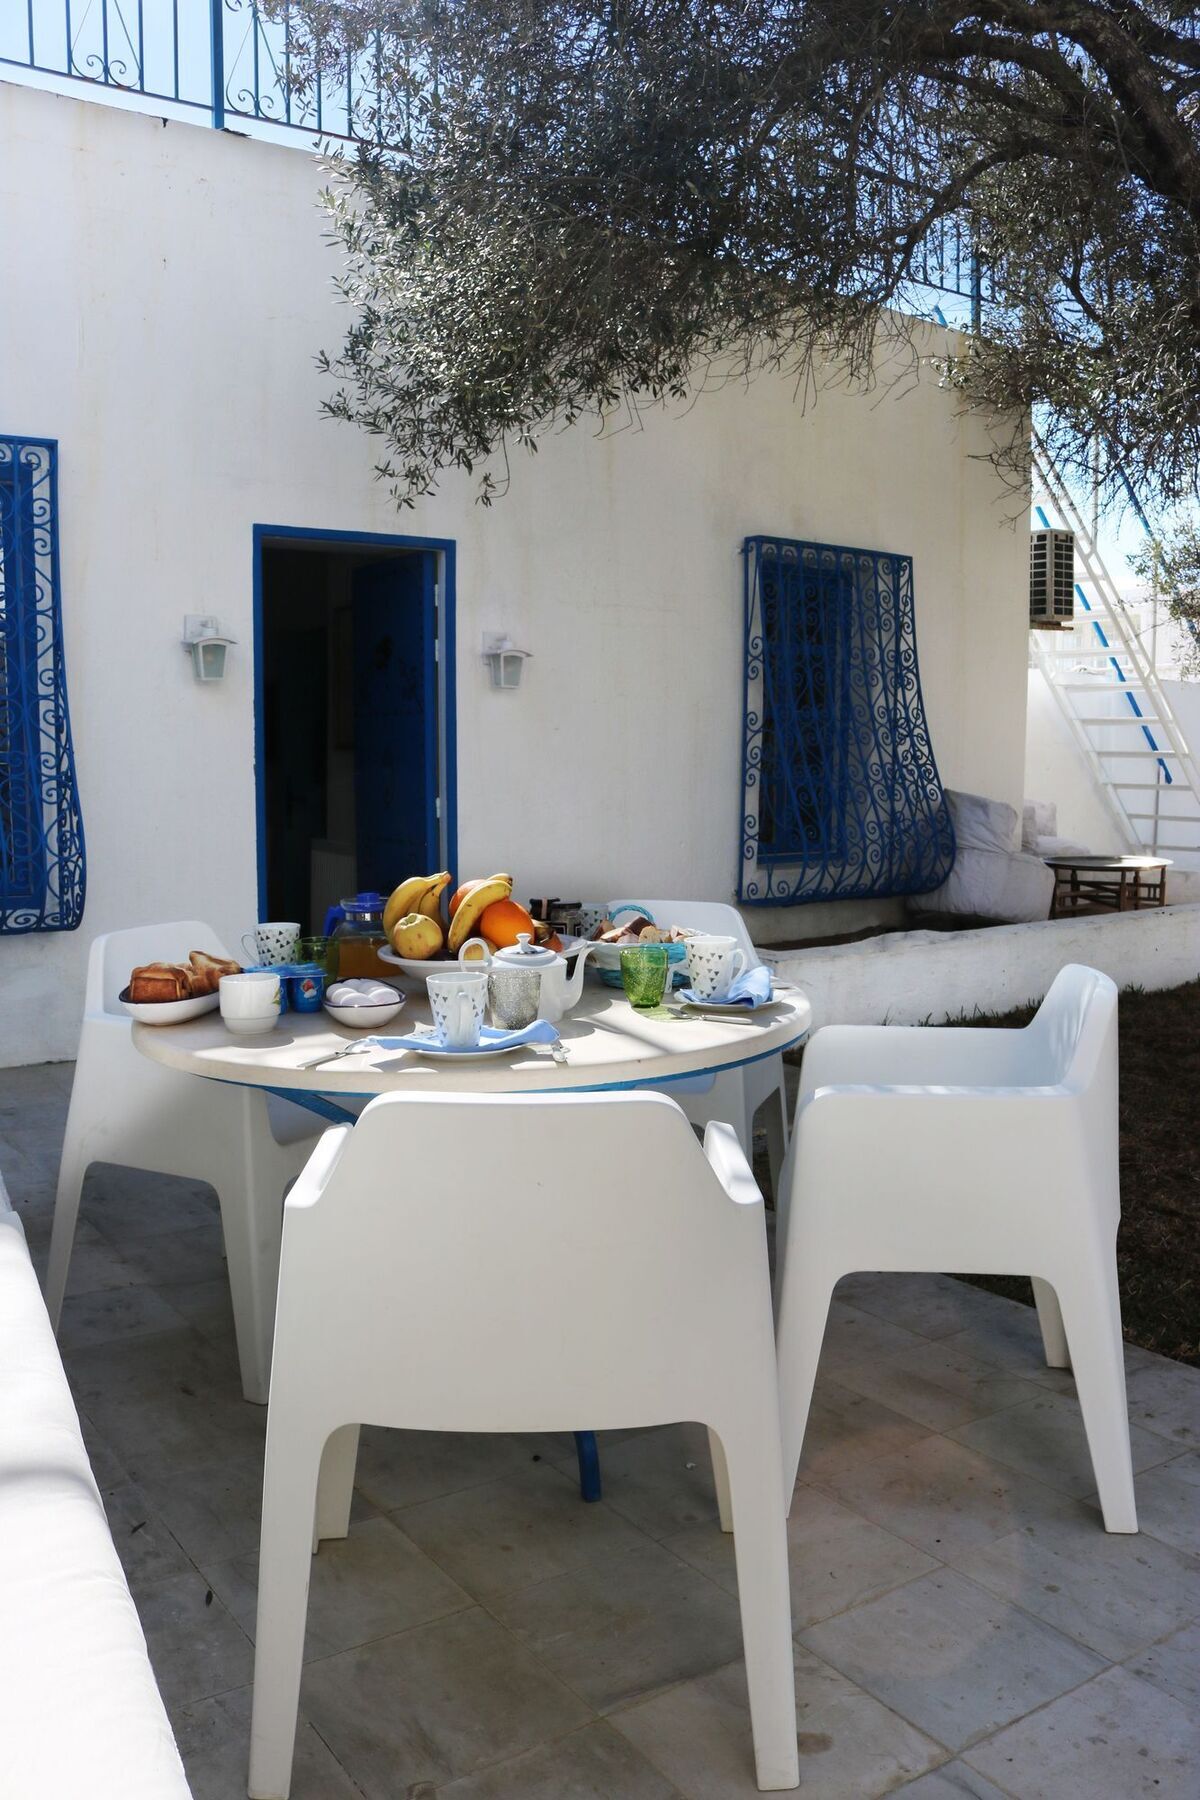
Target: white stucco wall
166	291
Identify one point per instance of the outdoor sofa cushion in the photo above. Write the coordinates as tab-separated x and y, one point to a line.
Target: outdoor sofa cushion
80	1715
990	879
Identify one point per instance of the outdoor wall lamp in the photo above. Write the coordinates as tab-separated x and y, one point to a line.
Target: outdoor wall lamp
503	659
202	635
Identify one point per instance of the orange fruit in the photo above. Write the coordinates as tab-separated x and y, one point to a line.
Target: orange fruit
459	895
503	920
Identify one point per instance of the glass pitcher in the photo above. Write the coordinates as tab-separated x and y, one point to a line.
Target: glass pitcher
356	936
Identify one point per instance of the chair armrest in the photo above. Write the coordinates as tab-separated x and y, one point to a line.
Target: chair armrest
958	1056
317	1171
728	1163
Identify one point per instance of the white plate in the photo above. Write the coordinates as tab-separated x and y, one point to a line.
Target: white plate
725	1006
432	965
167	1012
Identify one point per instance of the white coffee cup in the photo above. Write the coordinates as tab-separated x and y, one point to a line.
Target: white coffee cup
714	964
457	1002
250	1003
273	942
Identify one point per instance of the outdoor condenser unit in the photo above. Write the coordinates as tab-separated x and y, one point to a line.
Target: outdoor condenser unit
1051	577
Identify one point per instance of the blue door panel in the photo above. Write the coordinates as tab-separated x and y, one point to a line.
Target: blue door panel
395	720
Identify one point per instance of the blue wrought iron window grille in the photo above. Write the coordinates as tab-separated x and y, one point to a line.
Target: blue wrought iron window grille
841	796
42	872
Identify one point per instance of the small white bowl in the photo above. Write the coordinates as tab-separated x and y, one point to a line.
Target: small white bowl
365	1018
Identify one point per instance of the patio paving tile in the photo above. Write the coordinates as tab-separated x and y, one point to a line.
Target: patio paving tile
1173	1665
1168	1502
699	1735
147	1550
509	1534
195	1646
213	1511
107	1466
165	1406
114	1315
402	1468
621	1629
433	1703
1116	1736
951	1658
95	1266
205	1305
126	1204
953	1781
853	1336
594	1763
937	1385
946	1498
214	1741
1165	1398
837	1558
1112	1592
1045	1438
848	1430
168	1257
661	1479
934	1306
369	1585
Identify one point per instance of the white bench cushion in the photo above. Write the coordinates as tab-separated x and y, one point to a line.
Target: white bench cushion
80	1714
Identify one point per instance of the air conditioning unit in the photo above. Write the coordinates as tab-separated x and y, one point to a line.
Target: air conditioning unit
1051	578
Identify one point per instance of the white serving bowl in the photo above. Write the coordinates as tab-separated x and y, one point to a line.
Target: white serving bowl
365	1018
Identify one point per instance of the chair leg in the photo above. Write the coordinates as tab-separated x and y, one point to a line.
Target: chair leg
720	1469
777	1136
1091	1309
335	1485
588	1454
802	1307
1054	1338
252	1223
71	1170
289	1501
764	1597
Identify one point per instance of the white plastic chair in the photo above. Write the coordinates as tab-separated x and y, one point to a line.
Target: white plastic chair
127	1110
735	1095
531	1263
963	1149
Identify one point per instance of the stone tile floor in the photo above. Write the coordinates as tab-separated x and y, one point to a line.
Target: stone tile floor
963	1626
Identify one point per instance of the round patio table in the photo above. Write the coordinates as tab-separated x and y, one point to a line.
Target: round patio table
606	1043
606	1046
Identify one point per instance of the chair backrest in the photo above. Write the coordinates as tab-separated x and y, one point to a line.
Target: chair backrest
1073	1034
517	1263
715	916
116	953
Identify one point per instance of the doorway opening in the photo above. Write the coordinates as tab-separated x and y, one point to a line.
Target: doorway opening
354	724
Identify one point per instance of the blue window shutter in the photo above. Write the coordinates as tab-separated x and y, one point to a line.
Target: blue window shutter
841	797
42	874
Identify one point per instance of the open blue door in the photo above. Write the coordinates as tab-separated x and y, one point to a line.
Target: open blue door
395	720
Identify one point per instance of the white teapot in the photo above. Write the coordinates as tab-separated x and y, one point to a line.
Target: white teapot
559	990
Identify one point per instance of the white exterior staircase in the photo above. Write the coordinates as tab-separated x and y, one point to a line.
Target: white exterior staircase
1108	692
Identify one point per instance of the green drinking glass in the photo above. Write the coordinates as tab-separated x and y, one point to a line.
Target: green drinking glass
644	974
316	949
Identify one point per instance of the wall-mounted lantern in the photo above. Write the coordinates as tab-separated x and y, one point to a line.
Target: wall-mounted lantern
203	637
503	659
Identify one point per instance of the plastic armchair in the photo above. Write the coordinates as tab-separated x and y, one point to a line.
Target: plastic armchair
734	1095
597	1264
125	1109
993	1151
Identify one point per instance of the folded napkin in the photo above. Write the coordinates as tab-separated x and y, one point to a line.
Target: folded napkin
490	1038
751	988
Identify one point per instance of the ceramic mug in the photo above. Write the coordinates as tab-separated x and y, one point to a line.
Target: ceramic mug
250	1003
272	943
714	964
457	1002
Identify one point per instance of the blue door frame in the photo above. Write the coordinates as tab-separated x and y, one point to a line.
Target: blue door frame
266	536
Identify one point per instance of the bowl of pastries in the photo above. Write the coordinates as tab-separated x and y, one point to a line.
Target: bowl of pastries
627	927
163	993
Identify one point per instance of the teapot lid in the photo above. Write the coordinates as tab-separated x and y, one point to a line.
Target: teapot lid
527	954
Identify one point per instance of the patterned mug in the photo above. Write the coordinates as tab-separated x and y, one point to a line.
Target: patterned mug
714	964
274	942
457	1002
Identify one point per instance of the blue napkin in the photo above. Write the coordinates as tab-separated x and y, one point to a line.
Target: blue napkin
490	1038
751	988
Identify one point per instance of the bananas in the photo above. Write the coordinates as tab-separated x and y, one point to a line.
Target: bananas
472	904
419	894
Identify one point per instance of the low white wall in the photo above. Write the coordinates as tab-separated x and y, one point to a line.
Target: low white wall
172	288
909	978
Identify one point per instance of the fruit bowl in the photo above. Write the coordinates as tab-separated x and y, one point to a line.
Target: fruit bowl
417	968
